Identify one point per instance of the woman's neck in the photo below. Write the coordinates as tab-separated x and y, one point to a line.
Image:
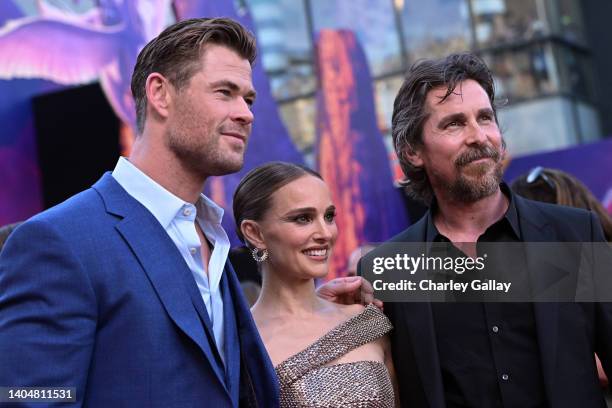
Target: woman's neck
285	297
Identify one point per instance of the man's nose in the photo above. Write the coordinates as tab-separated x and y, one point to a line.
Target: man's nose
242	112
476	134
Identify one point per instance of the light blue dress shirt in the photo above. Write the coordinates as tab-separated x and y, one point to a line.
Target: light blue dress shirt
178	218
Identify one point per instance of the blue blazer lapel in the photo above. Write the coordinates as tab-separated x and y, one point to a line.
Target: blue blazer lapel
162	263
232	343
256	362
198	304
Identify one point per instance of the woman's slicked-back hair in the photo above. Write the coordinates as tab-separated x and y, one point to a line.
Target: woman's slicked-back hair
253	196
410	113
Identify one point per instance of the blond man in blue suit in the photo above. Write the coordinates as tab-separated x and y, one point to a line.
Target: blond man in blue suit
124	291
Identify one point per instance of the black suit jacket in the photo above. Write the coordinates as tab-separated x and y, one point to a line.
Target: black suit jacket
568	333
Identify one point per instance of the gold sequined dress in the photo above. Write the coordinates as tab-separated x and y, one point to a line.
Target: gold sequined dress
307	381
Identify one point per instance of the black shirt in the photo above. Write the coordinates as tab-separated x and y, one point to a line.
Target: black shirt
488	351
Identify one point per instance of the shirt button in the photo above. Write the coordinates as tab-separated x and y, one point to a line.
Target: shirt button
495	329
187	212
505	377
193	251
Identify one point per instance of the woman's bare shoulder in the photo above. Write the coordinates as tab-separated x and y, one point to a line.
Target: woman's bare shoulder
349	311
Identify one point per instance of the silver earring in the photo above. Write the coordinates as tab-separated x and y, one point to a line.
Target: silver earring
257	256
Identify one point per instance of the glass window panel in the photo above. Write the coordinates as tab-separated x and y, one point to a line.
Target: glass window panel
575	72
568	21
434	28
296	81
285	46
588	122
373	21
385	91
300	119
524	73
538	125
503	21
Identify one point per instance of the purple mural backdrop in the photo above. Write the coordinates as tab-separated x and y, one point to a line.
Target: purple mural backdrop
68	49
20	186
351	154
102	45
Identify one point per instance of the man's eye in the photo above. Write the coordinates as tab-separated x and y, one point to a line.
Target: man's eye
454	123
225	92
249	101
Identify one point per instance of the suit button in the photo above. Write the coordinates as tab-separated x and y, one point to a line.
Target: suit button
495	329
505	377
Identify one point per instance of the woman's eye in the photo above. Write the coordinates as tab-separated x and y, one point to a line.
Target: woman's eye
330	217
302	219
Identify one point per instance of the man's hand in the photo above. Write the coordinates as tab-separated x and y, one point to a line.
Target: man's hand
348	291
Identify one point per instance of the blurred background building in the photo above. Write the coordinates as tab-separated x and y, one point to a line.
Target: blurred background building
550	58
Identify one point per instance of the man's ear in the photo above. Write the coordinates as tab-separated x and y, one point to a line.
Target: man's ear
252	233
413	156
158	94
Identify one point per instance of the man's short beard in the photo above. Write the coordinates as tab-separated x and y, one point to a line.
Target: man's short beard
467	190
202	160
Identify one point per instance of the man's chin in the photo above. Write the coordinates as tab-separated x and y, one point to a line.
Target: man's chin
226	168
478	169
474	188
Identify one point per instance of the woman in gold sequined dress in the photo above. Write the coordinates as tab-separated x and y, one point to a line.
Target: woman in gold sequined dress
324	353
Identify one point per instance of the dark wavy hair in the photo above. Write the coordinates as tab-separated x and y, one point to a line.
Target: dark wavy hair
409	110
253	196
177	52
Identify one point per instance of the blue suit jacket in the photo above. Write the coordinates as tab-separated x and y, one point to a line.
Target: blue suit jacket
95	295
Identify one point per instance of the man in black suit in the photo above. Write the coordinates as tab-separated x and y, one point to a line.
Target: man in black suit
484	354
